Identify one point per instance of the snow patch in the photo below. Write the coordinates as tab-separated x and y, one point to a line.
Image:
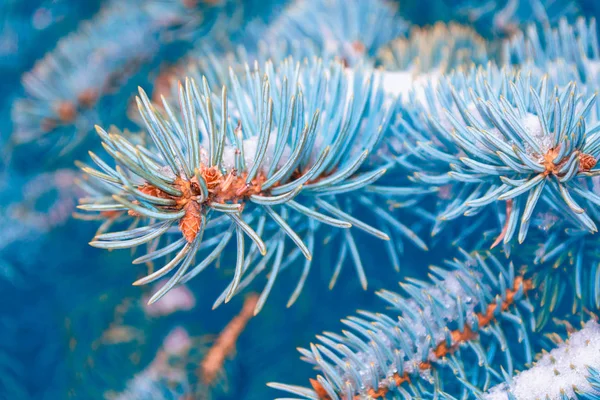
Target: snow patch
560	371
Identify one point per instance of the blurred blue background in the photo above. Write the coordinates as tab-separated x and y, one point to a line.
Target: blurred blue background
71	324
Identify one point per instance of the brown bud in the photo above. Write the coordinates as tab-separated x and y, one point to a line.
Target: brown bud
586	162
211	175
191	221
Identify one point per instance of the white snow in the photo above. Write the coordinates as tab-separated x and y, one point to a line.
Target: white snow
533	126
250	146
557	372
397	83
400	83
451	290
